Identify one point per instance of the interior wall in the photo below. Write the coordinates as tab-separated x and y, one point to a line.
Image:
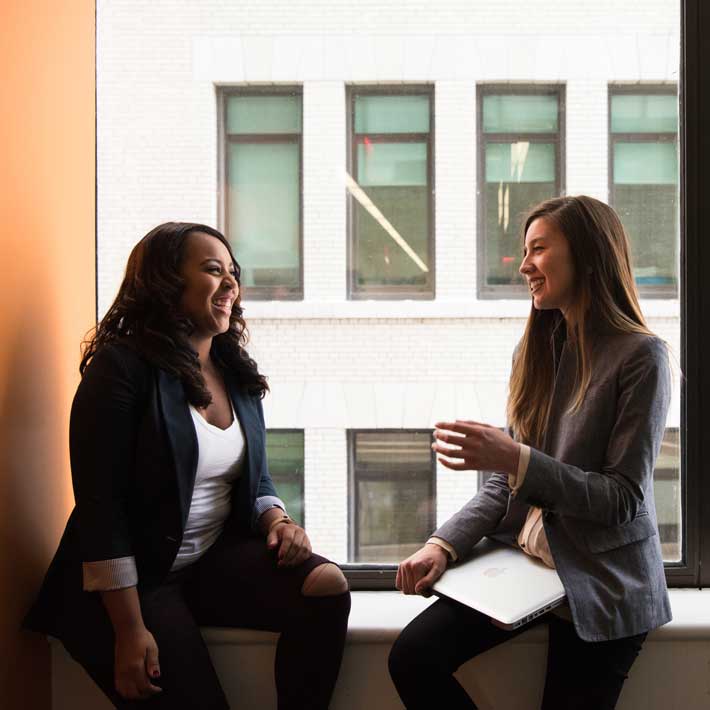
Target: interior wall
47	302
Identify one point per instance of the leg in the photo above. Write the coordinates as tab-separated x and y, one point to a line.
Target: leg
237	583
188	679
583	675
429	650
326	580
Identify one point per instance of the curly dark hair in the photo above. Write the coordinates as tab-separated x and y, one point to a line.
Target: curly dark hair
145	316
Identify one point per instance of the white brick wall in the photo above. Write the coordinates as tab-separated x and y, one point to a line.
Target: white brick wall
324	247
334	364
455	184
326	491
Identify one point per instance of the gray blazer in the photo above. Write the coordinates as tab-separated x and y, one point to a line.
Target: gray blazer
593	479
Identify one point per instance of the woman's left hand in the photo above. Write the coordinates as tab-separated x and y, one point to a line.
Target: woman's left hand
475	447
293	544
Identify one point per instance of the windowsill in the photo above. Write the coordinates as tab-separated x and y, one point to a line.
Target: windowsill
378	617
244	661
439	308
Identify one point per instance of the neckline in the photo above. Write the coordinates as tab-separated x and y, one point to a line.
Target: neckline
213	427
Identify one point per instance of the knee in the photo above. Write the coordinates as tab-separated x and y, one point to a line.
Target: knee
405	656
326	580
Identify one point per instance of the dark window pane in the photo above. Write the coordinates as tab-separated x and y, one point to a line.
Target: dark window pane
649	214
520	170
390	196
520	161
394	494
391	114
506	205
645	184
284	452
266	240
644	113
646	198
520	114
263	115
645	163
381	260
391	164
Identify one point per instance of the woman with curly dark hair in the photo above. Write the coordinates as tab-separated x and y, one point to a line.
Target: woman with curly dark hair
177	523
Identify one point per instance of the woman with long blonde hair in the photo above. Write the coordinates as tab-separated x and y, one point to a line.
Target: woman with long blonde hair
573	482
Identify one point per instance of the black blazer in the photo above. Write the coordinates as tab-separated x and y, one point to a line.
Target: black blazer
133	460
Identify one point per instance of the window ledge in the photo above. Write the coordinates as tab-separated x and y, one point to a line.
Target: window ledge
378	617
439	309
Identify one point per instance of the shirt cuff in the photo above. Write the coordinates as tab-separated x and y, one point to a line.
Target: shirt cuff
261	505
444	545
105	575
523	460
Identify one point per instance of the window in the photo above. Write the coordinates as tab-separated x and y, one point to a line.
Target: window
262	190
336	365
667	494
284	452
643	181
390	188
392	494
521	134
666	480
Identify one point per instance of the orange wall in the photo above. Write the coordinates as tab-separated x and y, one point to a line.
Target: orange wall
47	301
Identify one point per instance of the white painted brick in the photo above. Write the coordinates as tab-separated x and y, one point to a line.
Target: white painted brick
333	364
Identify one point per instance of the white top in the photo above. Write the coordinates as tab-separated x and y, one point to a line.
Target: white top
219	464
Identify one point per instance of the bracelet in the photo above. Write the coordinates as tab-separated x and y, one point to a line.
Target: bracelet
283	519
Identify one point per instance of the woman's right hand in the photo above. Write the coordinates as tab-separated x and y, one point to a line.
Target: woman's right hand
419	571
135	651
135	663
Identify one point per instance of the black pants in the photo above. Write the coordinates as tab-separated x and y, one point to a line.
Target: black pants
580	675
236	584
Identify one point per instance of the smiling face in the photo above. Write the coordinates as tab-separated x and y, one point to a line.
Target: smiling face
210	285
547	266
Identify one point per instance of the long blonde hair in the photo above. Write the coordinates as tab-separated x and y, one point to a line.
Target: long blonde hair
605	298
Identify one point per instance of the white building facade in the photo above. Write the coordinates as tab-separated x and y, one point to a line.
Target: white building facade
340	366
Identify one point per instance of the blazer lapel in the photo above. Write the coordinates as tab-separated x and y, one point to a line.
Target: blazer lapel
181	435
561	394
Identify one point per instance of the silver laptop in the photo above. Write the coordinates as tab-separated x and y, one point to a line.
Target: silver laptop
504	583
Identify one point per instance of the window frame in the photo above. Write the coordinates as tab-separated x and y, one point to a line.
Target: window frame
353	498
389	293
694	570
258	293
646	291
694	150
492	292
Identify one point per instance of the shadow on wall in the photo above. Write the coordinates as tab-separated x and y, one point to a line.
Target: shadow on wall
34	490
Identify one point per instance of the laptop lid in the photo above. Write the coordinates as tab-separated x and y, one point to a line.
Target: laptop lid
503	583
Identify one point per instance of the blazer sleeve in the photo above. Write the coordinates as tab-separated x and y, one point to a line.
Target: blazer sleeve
265	496
266	485
478	518
102	439
615	494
